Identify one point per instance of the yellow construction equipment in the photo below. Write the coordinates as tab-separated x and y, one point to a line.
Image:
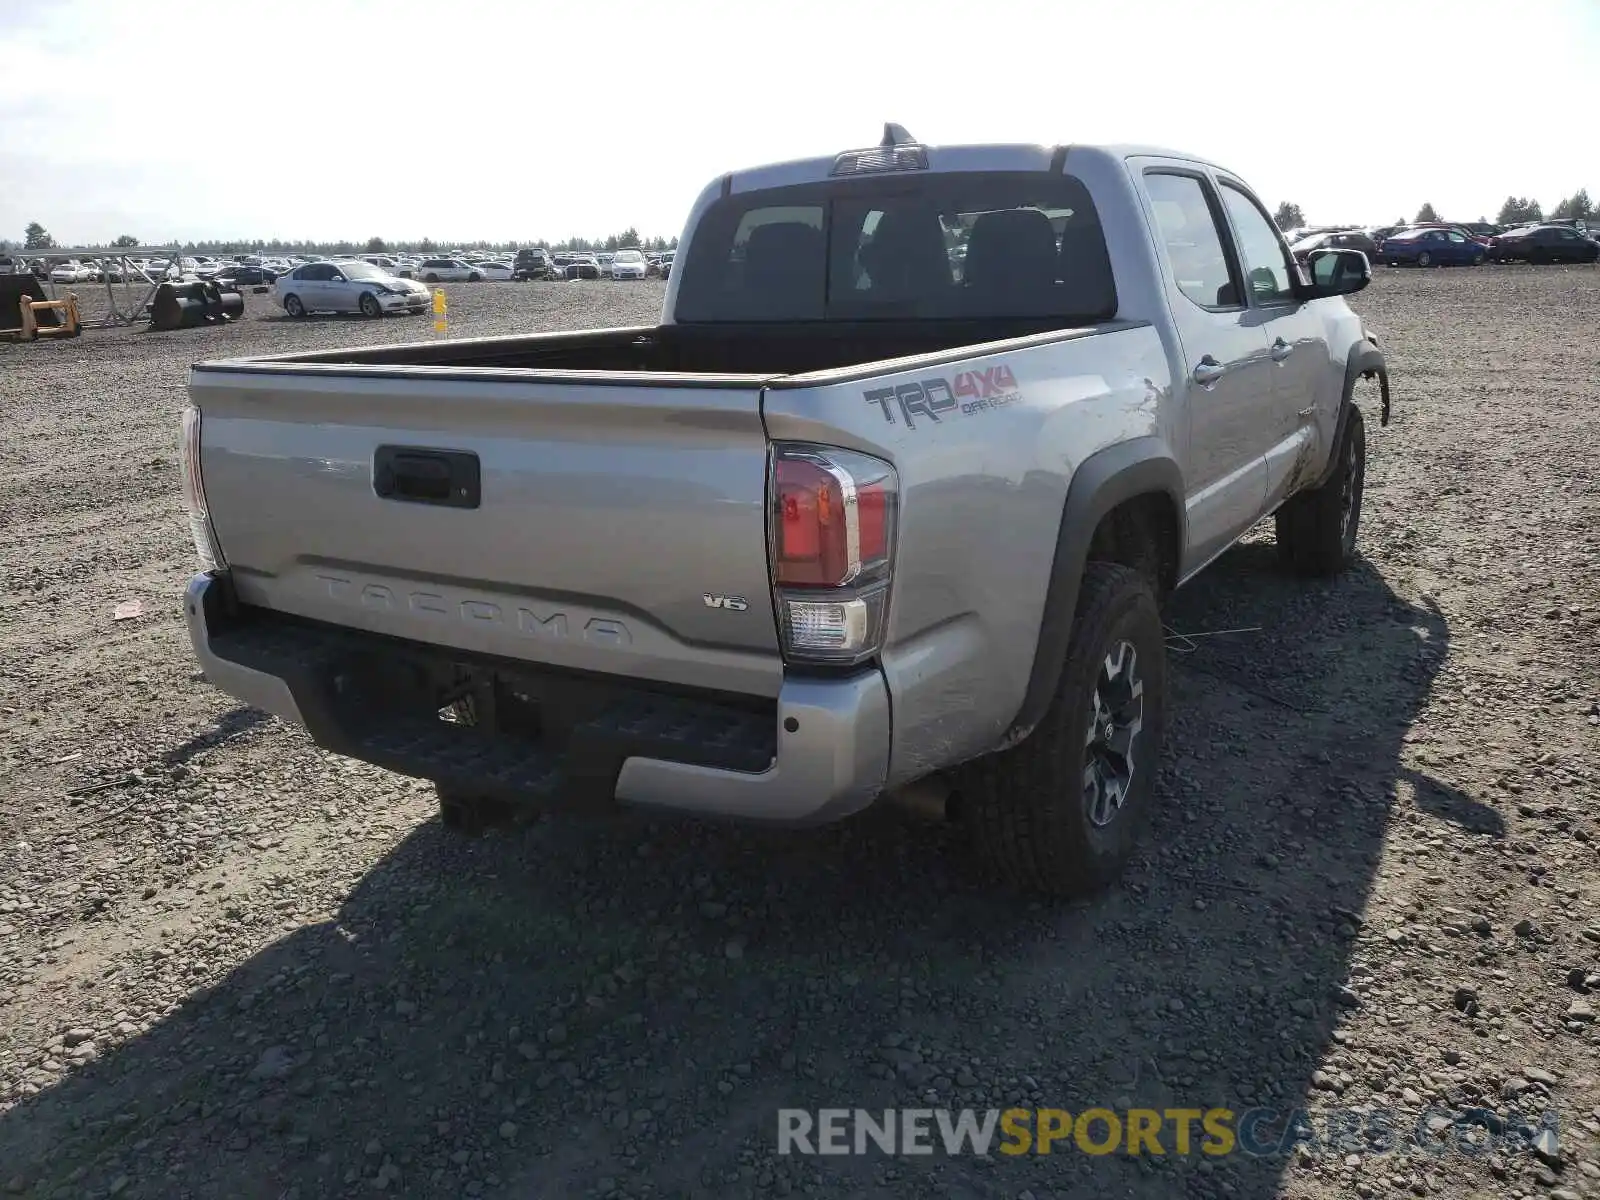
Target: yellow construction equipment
62	318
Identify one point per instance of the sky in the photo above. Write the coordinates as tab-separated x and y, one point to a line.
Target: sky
464	120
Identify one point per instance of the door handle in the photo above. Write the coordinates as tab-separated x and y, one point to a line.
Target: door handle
1281	350
1208	370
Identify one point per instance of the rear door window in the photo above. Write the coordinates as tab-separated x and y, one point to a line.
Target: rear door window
952	245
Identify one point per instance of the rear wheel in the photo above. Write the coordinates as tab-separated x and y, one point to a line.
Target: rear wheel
1061	813
430	277
1424	259
1317	529
370	306
474	278
293	306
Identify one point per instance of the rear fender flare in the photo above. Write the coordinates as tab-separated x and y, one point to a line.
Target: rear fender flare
1104	480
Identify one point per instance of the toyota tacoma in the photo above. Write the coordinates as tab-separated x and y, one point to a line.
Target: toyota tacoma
891	497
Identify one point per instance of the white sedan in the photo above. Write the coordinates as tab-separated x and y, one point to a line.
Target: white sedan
629	264
71	272
348	287
497	271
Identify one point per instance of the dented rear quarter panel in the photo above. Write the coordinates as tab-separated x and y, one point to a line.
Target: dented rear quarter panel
985	445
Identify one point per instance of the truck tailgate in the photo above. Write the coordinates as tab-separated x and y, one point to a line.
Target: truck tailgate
576	524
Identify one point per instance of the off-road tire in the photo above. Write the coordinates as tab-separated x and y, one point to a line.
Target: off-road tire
1025	809
1315	537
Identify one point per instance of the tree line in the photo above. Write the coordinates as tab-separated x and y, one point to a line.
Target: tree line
1515	210
37	237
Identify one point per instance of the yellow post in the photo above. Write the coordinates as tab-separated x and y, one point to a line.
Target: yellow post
441	311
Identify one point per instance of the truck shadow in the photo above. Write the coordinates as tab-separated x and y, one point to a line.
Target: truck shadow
584	1008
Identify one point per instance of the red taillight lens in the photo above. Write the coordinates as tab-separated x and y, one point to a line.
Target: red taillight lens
872	510
832	533
811	531
833	517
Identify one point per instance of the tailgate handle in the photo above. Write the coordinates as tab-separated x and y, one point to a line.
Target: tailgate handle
450	478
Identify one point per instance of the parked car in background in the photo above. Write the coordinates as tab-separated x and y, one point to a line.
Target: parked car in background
13	266
348	287
71	271
628	264
666	264
1349	239
584	266
1432	248
495	272
249	274
533	262
448	270
1545	244
1482	239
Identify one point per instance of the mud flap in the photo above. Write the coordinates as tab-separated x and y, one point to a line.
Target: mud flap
1383	392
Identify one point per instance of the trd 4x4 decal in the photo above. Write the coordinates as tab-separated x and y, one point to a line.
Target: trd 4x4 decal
970	391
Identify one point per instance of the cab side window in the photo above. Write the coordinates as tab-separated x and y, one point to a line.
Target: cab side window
1266	263
1194	239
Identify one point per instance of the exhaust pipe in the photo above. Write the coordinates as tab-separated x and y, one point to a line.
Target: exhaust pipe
928	798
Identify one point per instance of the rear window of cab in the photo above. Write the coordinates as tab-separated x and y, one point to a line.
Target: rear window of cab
952	245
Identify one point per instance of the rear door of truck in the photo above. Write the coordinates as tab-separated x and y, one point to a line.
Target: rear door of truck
585	521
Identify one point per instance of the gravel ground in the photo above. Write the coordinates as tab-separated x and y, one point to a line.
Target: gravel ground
232	965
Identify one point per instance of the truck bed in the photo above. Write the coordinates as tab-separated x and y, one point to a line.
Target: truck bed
759	350
576	499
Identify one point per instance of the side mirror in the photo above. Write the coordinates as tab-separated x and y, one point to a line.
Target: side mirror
1336	273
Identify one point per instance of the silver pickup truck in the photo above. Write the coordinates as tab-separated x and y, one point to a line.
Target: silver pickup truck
894	493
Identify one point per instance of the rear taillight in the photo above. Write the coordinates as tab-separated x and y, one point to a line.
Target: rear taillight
832	528
194	494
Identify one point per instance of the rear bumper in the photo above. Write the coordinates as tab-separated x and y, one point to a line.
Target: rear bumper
819	753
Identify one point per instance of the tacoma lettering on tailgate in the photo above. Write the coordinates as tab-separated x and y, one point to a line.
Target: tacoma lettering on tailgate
549	626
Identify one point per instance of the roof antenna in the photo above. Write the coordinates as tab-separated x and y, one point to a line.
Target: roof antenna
896	135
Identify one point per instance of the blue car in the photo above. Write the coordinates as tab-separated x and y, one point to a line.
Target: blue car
1432	248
